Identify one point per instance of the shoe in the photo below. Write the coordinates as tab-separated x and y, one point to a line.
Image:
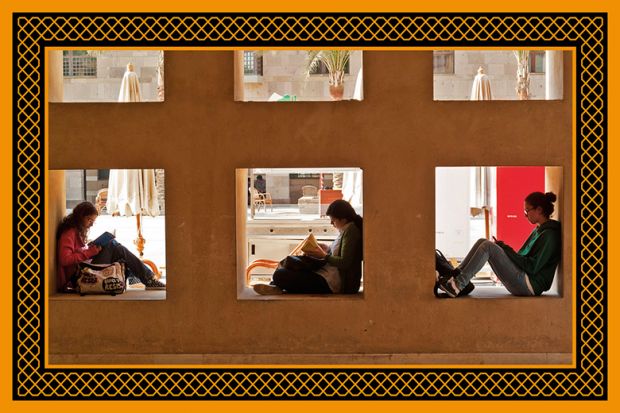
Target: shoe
69	288
467	289
134	282
265	289
154	284
448	285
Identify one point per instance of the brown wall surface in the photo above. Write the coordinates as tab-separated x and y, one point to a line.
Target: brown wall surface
397	135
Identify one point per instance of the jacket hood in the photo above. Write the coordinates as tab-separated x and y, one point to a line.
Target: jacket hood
552	224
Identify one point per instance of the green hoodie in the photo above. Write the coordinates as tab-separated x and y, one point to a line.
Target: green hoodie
539	255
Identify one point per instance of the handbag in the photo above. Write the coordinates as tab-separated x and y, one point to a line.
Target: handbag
442	265
302	263
444	269
101	278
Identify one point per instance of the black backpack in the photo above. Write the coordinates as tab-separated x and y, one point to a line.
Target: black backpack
444	270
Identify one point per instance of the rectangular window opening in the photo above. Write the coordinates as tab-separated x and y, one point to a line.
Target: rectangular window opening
298	75
482	202
479	74
118	196
277	208
108	76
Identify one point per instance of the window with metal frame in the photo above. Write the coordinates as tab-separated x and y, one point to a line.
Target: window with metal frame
78	63
443	61
537	61
253	63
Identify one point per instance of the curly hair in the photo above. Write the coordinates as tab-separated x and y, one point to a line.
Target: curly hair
76	220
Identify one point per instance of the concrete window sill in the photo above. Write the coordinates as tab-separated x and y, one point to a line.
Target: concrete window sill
129	295
490	291
249	294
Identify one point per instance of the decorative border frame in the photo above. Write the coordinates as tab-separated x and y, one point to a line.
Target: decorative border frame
587	33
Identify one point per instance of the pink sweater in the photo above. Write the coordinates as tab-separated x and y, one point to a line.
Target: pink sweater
71	251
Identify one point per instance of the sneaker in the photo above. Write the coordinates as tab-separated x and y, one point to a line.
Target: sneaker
467	289
134	282
154	284
265	289
448	285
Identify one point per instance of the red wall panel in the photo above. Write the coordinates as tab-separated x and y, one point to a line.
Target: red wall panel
513	185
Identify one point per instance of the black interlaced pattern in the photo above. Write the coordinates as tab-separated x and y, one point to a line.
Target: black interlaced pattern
586	33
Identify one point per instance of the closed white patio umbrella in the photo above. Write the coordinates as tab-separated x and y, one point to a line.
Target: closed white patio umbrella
130	86
133	192
481	88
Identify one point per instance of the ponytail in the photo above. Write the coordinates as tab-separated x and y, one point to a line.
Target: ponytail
545	201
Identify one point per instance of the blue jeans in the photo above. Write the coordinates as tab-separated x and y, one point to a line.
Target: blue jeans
513	278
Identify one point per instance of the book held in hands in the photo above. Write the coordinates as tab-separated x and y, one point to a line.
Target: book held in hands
103	239
310	244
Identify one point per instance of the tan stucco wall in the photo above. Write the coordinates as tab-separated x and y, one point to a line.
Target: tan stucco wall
398	135
56	196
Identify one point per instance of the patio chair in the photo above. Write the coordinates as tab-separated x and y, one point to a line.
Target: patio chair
101	199
261	200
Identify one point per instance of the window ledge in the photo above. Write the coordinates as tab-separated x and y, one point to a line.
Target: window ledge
249	294
491	291
252	78
130	295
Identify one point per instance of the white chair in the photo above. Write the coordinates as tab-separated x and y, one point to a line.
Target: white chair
261	200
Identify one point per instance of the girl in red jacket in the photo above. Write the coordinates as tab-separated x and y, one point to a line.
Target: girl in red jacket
73	249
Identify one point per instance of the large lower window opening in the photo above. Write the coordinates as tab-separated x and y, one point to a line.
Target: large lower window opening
277	208
128	206
480	202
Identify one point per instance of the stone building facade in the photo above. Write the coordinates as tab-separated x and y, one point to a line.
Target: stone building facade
103	81
459	68
284	72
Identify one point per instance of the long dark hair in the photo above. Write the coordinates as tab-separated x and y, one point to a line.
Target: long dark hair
76	220
341	209
545	201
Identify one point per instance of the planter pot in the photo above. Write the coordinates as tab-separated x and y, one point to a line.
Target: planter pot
336	91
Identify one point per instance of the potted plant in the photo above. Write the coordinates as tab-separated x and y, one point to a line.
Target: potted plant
335	61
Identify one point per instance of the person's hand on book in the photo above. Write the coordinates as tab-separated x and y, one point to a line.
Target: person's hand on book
324	247
94	247
316	253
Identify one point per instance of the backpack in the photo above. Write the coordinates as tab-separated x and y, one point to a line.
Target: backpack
443	269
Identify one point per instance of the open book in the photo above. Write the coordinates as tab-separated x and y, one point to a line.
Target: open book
310	244
103	239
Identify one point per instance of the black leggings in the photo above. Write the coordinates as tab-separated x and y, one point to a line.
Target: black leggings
300	282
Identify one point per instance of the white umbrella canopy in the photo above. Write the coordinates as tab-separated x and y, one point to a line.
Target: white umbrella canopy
132	192
481	88
130	86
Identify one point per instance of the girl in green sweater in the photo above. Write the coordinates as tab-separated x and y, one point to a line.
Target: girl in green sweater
342	269
526	272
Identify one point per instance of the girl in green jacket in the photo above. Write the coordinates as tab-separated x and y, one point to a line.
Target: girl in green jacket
526	272
342	271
